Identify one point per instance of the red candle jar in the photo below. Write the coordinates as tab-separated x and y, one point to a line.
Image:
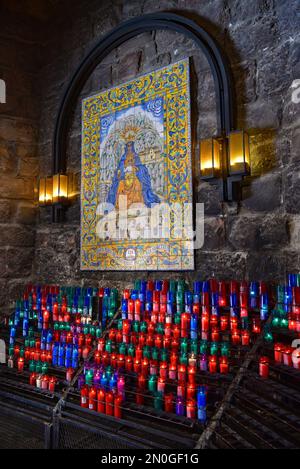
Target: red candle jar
158	342
134	339
142	382
264	367
130	306
45	382
212	363
85	351
153	367
101	345
234	324
88	340
109	403
191	391
101	401
69	374
287	356
169	400
93	398
119	337
43	357
196	308
142	339
191	409
185	324
55	312
278	352
112	335
181	373
32	379
161	316
138	353
128	364
256	326
21	364
161	384
245	337
37	355
181	389
145	367
224	322
154	317
136	365
224	368
205	322
118	406
114	360
126	294
105	358
52	384
84	396
175	345
192	370
97	357
215	335
214	320
69	338
49	357
176	331
167	342
149	340
27	354
121	361
174	359
81	340
222	294
172	371
235	337
163	370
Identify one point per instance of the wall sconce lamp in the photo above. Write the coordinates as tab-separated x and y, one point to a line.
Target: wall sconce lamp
58	191
226	161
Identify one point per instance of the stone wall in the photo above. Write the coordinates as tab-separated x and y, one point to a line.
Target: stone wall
18	151
260	237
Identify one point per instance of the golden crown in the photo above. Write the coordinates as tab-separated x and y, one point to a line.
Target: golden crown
128	134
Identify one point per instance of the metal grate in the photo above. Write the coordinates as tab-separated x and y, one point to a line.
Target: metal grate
74	437
18	432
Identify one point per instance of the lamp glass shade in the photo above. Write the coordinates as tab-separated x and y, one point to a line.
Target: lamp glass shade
210	158
239	155
60	188
73	190
45	190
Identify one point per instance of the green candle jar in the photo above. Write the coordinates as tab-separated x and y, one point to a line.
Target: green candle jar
108	346
38	367
32	367
203	347
147	352
225	349
194	346
158	400
45	368
135	326
184	345
120	324
183	358
98	332
122	349
144	327
214	348
177	318
160	328
164	355
152	383
131	350
155	353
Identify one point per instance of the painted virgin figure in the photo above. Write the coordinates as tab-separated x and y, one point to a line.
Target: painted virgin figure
132	179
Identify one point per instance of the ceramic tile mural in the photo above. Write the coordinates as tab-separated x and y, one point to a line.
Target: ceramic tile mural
136	154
